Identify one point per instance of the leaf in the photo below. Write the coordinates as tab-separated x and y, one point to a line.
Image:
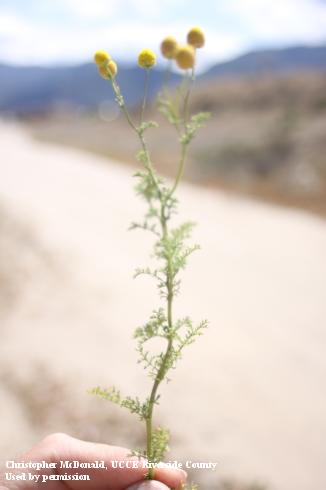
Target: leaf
189	486
132	404
196	122
160	441
168	107
144	226
147	125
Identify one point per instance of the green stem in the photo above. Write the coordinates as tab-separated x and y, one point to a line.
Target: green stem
190	82
160	375
180	169
138	131
145	96
167	76
169	278
169	269
169	281
184	146
149	163
122	104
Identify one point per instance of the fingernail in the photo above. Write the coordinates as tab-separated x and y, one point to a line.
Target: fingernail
148	485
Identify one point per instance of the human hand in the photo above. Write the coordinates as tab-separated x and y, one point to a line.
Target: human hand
61	447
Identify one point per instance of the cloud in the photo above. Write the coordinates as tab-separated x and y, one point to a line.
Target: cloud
278	22
106	9
71	30
12	25
90	9
152	9
122	40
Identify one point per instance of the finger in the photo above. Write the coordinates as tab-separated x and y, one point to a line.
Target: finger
60	447
148	485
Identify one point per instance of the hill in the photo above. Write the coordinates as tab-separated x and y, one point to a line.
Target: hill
281	61
28	90
266	137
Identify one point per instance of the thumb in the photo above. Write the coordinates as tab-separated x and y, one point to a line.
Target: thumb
148	485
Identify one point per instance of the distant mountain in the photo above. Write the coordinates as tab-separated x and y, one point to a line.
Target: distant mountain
40	89
282	61
26	90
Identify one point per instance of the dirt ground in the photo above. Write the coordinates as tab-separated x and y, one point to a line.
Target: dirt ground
249	394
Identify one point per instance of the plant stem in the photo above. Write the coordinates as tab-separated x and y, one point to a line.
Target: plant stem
184	145
160	375
169	286
169	270
138	131
190	80
181	168
167	75
145	95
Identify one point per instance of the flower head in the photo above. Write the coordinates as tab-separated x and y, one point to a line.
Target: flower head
146	58
169	47
185	57
108	70
196	37
112	68
101	57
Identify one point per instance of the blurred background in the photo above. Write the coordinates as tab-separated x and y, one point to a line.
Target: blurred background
250	394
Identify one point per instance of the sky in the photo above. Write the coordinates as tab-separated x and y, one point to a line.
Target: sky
50	32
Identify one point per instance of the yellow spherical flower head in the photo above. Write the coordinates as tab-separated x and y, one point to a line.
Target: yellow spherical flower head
108	70
146	58
112	68
185	57
196	37
101	57
169	47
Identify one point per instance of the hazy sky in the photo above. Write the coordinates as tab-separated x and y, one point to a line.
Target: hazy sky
61	31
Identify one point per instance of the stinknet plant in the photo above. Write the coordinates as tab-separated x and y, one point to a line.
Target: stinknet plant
171	248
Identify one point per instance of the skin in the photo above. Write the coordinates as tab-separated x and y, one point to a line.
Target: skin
61	447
